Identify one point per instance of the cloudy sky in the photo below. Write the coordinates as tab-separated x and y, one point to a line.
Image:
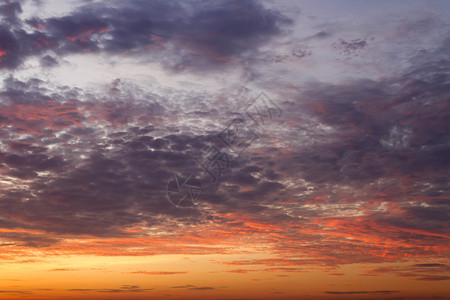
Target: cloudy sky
224	149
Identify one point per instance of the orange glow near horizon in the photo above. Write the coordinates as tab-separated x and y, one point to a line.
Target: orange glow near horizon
211	262
197	277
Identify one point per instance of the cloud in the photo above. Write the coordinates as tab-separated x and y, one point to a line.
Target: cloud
199	37
15	292
420	272
433	278
362	292
73	269
193	287
28	239
97	166
348	48
122	289
159	272
48	61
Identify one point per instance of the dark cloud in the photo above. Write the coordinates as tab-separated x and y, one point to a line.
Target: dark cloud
349	48
301	53
10	11
29	240
11	55
420	272
322	34
48	61
362	292
433	278
193	287
431	266
380	131
180	36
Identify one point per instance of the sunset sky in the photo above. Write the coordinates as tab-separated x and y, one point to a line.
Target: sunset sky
224	149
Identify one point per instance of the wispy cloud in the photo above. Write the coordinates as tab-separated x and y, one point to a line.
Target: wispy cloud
159	272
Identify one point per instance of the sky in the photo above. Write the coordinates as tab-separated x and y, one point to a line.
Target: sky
224	149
